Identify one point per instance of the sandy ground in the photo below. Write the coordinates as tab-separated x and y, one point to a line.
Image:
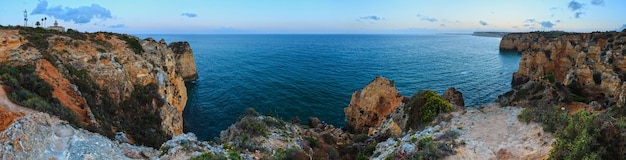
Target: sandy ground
494	132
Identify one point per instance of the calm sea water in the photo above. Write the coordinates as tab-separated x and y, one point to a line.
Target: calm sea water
315	75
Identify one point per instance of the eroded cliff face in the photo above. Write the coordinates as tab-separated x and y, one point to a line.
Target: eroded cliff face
97	75
568	69
185	64
369	106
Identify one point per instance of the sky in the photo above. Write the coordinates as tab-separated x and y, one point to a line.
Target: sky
319	16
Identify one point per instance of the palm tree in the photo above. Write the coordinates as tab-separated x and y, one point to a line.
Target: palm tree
37	24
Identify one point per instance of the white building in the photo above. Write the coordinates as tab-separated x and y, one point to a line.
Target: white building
57	27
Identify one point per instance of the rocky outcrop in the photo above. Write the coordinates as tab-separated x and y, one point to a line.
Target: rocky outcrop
185	64
98	75
40	136
455	98
369	106
567	69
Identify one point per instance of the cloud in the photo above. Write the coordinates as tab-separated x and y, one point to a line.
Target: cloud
371	18
532	20
426	18
578	14
547	24
598	2
442	25
574	6
621	28
190	15
117	26
526	25
483	23
429	19
80	15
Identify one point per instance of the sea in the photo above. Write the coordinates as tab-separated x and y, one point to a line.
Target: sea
306	76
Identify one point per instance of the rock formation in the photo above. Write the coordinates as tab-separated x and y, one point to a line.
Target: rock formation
185	64
99	75
455	98
567	69
369	106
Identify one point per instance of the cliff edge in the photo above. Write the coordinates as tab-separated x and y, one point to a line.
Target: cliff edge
571	70
103	82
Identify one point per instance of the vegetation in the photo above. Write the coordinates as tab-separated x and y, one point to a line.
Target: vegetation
133	43
427	105
552	118
579	139
549	77
24	87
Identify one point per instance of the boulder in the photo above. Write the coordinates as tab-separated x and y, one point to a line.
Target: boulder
455	98
369	106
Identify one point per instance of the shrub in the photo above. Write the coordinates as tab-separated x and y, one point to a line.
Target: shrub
314	143
551	117
549	77
253	127
578	140
369	150
426	105
132	43
428	149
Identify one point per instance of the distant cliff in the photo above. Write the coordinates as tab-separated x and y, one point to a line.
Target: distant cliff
103	82
490	34
568	69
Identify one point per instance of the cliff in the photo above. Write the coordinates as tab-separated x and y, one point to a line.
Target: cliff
185	64
103	82
570	70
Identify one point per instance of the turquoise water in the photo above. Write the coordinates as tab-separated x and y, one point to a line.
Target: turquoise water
315	75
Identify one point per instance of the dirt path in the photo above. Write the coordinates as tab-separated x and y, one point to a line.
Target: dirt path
494	132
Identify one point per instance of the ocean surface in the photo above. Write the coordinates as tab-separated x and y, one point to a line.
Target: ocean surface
315	75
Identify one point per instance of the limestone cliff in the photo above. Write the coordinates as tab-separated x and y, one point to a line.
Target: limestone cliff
570	70
371	105
109	80
185	64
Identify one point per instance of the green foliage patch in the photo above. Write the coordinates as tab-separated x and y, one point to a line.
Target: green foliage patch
26	88
426	105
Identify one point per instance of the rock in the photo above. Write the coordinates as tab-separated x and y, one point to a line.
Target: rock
314	122
369	106
595	106
107	67
555	65
121	137
185	65
455	97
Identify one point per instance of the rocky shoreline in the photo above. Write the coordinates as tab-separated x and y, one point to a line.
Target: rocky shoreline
124	99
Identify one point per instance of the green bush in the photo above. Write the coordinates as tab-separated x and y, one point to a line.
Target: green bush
426	105
578	140
552	118
28	90
428	149
133	43
253	127
550	77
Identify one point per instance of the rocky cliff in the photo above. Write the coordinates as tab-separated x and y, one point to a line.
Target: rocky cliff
185	64
571	70
107	80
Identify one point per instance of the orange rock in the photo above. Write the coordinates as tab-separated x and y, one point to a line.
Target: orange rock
7	117
369	106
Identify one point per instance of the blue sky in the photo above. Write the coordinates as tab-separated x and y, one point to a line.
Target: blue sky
319	16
